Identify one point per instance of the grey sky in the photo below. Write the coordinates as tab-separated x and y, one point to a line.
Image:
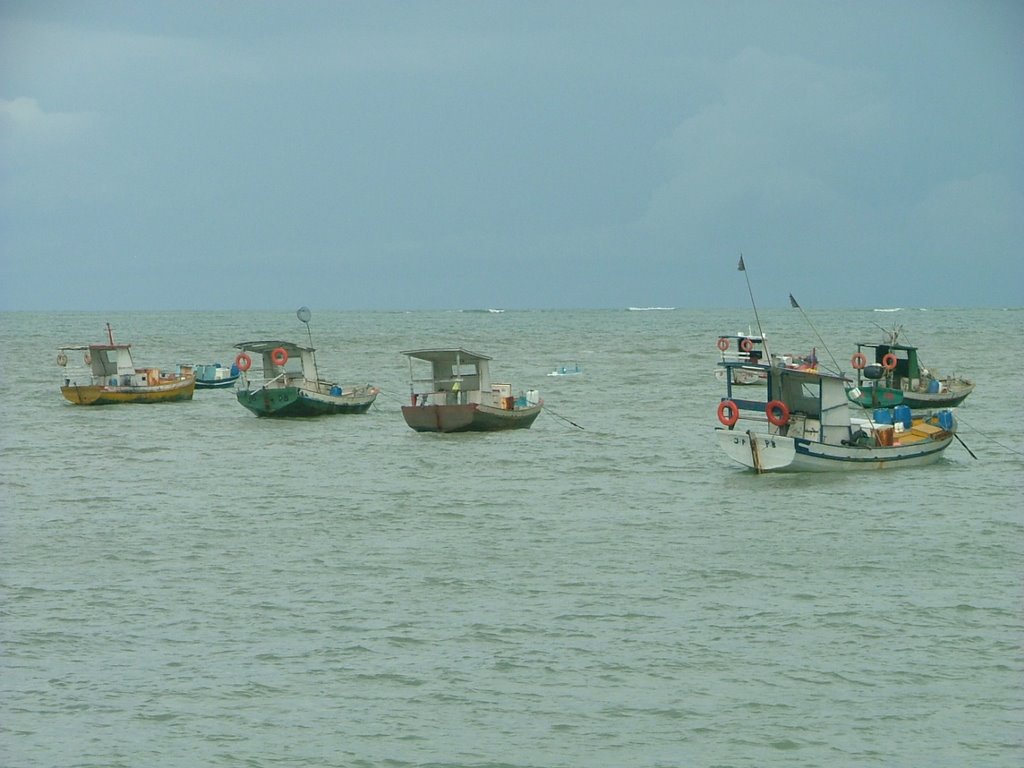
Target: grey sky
417	155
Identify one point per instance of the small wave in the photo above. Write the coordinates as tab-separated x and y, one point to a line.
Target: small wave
651	309
890	309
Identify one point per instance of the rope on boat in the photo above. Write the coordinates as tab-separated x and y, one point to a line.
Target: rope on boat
987	437
548	410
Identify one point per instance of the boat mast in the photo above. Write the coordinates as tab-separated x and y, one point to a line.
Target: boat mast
110	334
304	315
743	268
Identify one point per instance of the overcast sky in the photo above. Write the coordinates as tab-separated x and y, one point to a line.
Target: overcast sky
419	155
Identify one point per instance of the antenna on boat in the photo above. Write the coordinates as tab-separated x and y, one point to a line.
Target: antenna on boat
110	334
304	316
794	304
743	268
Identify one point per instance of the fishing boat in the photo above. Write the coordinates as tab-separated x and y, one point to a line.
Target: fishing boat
805	424
572	369
891	374
109	377
288	383
451	391
215	376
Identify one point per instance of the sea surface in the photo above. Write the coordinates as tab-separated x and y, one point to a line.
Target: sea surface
189	585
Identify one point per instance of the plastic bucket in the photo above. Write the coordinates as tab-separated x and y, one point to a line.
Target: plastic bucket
946	420
883	416
901	414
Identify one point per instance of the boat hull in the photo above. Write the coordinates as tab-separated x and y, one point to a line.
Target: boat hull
218	384
282	402
468	417
97	394
776	453
870	397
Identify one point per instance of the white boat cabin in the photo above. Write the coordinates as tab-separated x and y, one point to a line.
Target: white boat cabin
453	376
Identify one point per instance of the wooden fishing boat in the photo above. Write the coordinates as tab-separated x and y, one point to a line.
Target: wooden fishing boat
805	424
110	377
215	376
286	383
451	391
891	373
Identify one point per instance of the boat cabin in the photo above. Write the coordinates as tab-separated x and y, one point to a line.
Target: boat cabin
280	358
904	371
450	376
816	405
109	364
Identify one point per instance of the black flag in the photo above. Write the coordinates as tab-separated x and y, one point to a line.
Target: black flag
792	302
741	267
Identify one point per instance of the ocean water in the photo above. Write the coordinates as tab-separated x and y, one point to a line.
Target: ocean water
186	584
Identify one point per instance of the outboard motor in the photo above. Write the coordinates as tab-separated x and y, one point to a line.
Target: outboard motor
873	371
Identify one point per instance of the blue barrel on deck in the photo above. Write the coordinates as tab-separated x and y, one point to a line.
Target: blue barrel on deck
336	391
901	414
883	416
946	420
933	387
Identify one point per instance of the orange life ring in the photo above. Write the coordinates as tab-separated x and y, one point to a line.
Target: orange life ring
734	413
723	344
859	360
778	413
243	361
889	361
279	356
746	345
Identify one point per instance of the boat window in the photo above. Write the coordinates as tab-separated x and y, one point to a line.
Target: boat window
466	369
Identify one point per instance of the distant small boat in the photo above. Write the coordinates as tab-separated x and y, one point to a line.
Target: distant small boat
112	378
455	394
567	370
891	374
215	376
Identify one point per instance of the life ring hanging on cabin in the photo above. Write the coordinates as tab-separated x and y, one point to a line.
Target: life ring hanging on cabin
889	361
778	413
723	344
859	360
279	356
62	359
243	361
746	345
733	415
88	358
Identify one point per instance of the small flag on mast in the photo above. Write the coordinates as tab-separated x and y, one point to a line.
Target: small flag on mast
792	302
741	267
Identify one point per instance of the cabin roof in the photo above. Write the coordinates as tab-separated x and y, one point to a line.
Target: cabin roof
95	347
261	347
885	345
444	355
